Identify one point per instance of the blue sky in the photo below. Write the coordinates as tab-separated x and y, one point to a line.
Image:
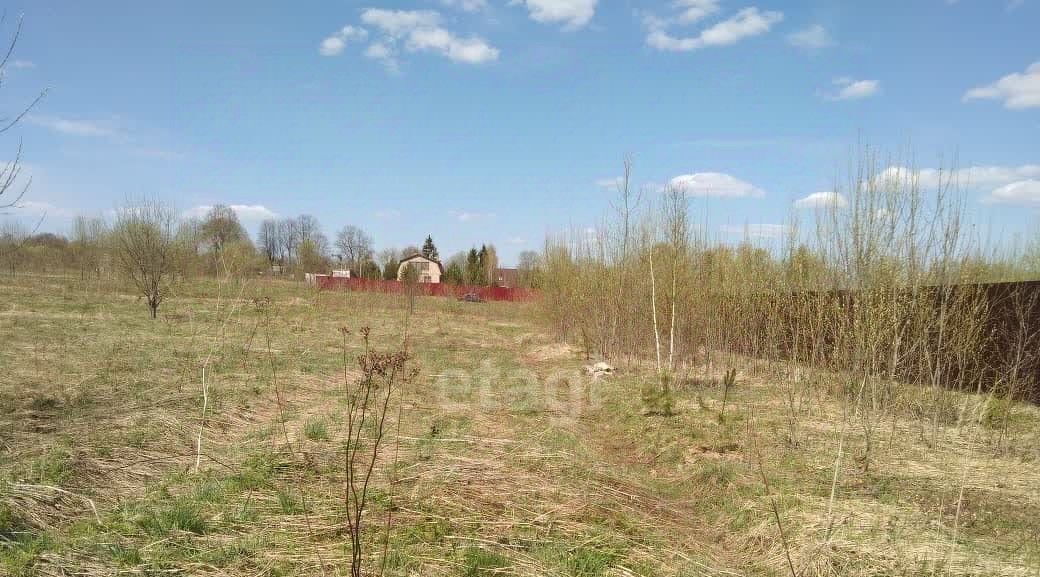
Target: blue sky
498	120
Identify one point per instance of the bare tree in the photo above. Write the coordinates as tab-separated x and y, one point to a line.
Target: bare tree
144	239
626	205
12	187
320	242
290	234
287	236
189	232
354	246
528	268
88	236
12	236
307	228
676	224
268	240
221	227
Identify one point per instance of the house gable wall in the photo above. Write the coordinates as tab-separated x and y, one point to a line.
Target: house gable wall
429	270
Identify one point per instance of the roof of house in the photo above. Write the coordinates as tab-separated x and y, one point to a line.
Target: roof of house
415	255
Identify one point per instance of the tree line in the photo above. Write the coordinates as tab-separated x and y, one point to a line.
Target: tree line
152	246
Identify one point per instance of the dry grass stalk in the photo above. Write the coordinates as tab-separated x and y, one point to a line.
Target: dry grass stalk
368	404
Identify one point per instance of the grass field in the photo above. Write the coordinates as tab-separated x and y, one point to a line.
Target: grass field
505	458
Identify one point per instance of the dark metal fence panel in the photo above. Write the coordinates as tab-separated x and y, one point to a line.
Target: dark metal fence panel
999	324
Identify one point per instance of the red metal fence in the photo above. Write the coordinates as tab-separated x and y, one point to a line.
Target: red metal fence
326	282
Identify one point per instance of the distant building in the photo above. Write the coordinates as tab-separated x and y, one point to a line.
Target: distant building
341	274
427	270
507	277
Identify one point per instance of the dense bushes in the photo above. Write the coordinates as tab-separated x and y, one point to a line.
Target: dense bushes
885	286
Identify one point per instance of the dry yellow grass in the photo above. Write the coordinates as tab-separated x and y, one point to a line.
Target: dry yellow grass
509	459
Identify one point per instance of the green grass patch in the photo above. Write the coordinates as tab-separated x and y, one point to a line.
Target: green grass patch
316	430
477	562
258	472
179	514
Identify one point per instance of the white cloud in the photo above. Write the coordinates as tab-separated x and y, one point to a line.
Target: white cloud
421	31
770	231
608	183
747	22
111	131
744	24
23	64
73	127
972	176
466	5
715	184
812	38
852	89
517	240
334	45
572	14
37	209
385	53
468	50
379	51
986	175
397	23
388	214
463	216
1018	91
695	10
253	211
245	212
822	200
1021	193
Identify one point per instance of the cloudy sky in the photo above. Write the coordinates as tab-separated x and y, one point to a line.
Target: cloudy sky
502	120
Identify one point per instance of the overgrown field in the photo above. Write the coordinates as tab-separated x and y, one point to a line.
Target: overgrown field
503	456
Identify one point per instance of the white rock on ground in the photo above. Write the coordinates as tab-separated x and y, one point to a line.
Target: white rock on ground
599	369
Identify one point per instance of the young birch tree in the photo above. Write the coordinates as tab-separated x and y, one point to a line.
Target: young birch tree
678	229
144	240
625	206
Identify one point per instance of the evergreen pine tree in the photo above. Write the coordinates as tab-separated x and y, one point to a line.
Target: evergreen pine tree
429	250
480	276
472	267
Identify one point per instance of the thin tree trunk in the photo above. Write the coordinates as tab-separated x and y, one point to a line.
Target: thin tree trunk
653	305
671	333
